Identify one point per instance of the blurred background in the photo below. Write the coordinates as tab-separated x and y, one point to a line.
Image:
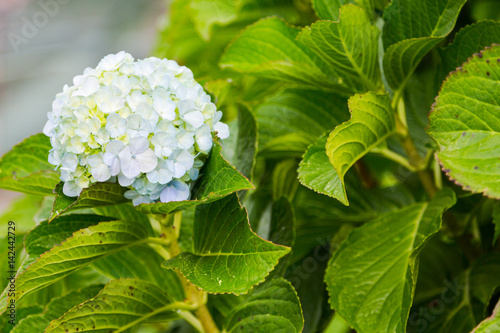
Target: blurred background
45	43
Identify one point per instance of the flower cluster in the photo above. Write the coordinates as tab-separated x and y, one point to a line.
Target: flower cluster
146	124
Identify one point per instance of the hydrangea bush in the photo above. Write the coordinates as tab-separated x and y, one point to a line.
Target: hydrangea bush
358	190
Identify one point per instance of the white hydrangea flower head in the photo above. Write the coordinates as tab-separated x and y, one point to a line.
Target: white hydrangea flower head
145	124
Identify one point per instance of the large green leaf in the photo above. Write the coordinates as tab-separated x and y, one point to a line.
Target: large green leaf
469	40
317	173
269	49
26	168
294	118
121	304
272	307
228	256
329	9
348	47
99	194
466	298
83	248
37	323
143	263
218	179
372	122
411	30
371	277
47	235
465	122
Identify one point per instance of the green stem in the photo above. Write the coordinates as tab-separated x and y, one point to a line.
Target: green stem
387	153
170	226
414	158
192	320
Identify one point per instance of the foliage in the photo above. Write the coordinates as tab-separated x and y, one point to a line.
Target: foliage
358	191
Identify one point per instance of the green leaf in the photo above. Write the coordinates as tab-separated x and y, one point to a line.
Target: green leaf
121	304
411	30
228	256
468	297
465	123
124	212
469	40
47	235
329	9
143	263
401	59
294	118
218	179
31	324
371	277
348	47
278	56
26	168
490	324
99	194
57	307
207	13
317	173
242	152
284	180
372	122
273	307
83	248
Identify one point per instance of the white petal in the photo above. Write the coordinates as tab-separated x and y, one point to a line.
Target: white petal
124	181
113	61
186	140
153	176
147	160
70	162
175	191
138	145
88	86
114	146
222	130
165	176
186	106
95	160
130	167
112	104
114	168
186	159
57	105
71	189
163	104
179	170
195	119
141	200
101	173
48	129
